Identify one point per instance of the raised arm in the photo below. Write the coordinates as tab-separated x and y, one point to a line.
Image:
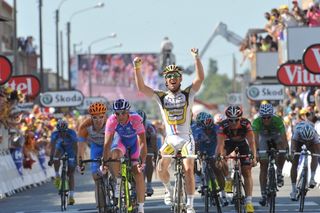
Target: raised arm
196	84
139	79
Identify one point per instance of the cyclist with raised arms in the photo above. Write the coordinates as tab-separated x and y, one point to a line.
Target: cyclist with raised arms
91	131
124	129
175	106
204	132
269	127
236	131
304	133
64	140
151	139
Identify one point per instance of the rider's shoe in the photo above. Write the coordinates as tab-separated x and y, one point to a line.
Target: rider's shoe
280	181
199	189
312	183
168	197
263	200
224	201
294	196
249	208
57	181
140	210
190	210
149	191
71	201
228	186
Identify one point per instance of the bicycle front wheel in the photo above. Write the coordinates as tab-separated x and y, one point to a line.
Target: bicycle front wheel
303	189
124	198
237	193
213	192
272	190
178	195
63	192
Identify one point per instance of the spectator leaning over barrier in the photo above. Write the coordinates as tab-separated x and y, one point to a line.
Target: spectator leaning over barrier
64	140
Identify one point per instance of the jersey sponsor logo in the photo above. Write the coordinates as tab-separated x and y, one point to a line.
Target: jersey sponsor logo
175	109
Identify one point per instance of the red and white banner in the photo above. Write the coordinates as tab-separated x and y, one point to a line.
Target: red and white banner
311	59
29	85
5	69
294	74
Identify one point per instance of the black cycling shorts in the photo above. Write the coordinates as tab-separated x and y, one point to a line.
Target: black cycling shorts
244	149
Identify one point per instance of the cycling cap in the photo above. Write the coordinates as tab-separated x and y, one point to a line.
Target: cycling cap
143	115
265	110
205	119
62	125
233	111
171	68
97	108
121	104
307	132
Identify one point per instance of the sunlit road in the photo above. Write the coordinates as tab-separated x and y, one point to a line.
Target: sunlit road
45	199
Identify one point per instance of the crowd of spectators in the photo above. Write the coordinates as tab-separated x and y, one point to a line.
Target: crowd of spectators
266	40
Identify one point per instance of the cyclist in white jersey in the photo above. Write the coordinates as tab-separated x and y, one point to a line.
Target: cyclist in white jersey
175	106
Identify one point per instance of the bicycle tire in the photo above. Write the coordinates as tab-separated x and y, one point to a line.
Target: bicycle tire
214	193
303	190
63	194
178	192
271	189
206	199
101	195
110	199
123	198
237	193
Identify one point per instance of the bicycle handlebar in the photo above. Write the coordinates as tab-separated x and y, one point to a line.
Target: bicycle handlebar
181	157
281	151
307	153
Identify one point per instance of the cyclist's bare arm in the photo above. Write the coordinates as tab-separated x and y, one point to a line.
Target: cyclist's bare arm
256	139
196	84
293	145
284	139
107	144
82	133
143	146
252	144
220	144
137	62
317	99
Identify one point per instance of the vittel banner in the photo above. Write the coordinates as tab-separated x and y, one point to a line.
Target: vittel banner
28	85
70	98
311	59
294	74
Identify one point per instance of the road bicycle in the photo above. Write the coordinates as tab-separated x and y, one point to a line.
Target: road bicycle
210	188
105	192
302	184
271	186
127	199
179	194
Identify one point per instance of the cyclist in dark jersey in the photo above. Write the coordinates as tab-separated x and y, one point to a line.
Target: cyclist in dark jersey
236	131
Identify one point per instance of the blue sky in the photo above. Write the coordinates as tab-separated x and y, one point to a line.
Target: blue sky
142	24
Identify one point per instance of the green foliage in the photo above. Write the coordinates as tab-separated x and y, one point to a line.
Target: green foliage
215	86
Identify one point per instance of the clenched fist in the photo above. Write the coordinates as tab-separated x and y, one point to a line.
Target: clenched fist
137	62
195	52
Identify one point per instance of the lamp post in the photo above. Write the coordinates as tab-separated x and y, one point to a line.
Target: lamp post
40	41
112	35
99	5
112	47
57	44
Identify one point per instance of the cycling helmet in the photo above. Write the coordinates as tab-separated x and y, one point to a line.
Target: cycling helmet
97	108
171	68
307	132
265	110
205	119
62	125
121	104
142	115
233	111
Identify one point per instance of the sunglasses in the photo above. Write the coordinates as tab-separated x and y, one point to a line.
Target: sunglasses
96	117
234	120
266	117
120	113
173	75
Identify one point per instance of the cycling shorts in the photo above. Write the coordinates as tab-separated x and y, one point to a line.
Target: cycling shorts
175	142
72	162
96	152
263	143
135	148
244	149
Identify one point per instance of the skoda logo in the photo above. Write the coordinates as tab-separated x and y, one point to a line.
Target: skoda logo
254	92
47	99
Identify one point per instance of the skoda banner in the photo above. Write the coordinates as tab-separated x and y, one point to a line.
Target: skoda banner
265	92
70	98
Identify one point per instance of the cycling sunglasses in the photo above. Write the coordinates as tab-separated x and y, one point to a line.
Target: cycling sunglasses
97	117
173	75
266	117
120	112
234	120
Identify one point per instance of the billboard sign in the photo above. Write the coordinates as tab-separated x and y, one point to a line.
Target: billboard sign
29	85
90	100
234	98
311	59
70	98
294	74
265	92
5	69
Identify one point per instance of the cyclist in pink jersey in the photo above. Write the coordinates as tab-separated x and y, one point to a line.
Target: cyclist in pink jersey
125	130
